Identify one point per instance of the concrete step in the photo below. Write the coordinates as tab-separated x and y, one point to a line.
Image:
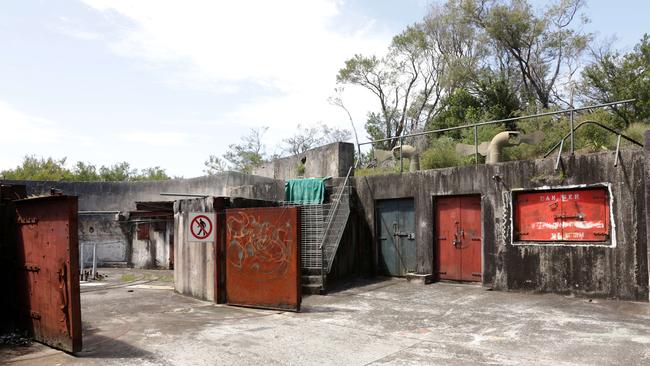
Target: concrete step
311	289
311	279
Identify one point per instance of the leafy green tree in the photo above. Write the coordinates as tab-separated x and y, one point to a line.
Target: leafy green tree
613	77
33	168
117	172
85	172
214	165
543	47
307	138
149	174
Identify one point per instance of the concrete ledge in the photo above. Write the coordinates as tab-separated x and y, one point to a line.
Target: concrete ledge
419	279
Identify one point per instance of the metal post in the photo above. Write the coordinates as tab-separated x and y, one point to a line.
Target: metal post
559	156
81	263
618	149
571	126
401	157
476	145
94	261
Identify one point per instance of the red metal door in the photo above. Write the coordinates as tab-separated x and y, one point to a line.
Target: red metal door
470	222
48	273
458	231
262	257
447	228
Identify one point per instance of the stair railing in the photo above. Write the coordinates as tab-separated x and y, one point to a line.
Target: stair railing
330	219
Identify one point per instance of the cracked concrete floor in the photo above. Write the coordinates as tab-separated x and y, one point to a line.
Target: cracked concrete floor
380	322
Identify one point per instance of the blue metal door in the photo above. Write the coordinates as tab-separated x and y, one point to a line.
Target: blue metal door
396	234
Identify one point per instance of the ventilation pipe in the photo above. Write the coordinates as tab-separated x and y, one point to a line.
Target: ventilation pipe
409	152
499	141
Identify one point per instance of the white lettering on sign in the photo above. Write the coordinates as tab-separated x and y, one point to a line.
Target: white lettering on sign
563	197
540	225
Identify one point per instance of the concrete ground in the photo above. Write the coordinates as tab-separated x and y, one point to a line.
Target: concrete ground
134	318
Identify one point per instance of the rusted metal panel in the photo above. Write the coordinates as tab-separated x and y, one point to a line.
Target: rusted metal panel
142	230
262	257
459	238
568	215
48	270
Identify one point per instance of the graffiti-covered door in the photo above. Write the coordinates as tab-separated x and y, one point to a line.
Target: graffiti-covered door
396	233
48	270
262	257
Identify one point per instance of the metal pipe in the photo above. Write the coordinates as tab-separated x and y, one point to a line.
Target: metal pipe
81	264
401	156
503	120
98	212
559	156
94	272
476	145
184	194
571	126
618	149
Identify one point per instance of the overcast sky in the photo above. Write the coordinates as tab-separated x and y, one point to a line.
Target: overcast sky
167	83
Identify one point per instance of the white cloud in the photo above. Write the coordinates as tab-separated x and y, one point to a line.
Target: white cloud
289	51
18	127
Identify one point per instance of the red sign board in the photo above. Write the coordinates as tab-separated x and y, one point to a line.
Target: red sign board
569	215
262	257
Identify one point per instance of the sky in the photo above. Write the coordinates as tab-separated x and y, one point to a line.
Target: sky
168	83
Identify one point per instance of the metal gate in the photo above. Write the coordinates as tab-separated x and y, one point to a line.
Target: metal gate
48	270
396	229
458	232
263	258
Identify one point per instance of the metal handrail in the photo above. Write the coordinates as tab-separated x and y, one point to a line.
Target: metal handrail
587	122
477	124
330	219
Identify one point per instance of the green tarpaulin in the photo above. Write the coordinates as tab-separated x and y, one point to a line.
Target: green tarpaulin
305	191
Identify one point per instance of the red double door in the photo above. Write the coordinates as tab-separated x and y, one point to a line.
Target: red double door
458	237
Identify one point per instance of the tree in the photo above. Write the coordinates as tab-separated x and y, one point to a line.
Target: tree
243	156
337	100
542	46
214	165
50	169
406	83
613	77
33	168
307	138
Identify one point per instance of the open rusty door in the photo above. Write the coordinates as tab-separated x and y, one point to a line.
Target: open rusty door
47	255
262	257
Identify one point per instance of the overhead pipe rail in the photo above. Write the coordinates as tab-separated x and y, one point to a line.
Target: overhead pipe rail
475	126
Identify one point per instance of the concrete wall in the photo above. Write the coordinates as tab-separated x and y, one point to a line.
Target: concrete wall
332	160
646	143
619	272
111	237
194	266
121	196
155	251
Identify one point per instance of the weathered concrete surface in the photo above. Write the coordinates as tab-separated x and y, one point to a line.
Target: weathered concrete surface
383	323
155	251
333	160
619	272
646	145
123	195
111	237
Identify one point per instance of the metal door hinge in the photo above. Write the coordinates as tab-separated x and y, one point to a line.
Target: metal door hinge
34	315
477	274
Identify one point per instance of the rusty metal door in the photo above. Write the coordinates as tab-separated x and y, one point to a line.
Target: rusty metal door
263	258
458	238
396	233
48	270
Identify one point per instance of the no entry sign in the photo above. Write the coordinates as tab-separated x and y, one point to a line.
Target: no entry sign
201	226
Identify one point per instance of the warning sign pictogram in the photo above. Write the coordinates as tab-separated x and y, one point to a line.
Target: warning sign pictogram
201	226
